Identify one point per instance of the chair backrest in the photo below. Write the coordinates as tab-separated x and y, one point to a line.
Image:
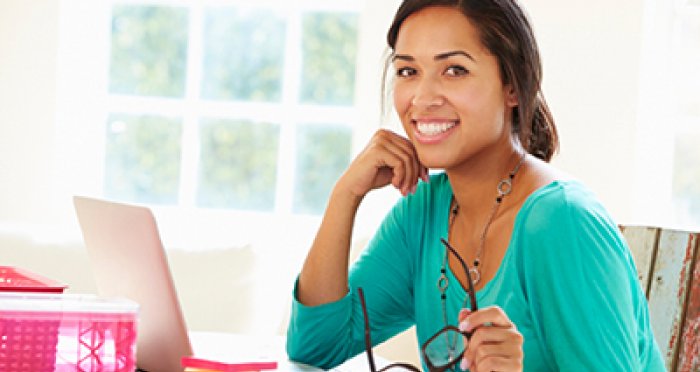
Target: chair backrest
667	264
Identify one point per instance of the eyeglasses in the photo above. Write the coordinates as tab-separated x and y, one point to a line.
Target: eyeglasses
368	344
444	349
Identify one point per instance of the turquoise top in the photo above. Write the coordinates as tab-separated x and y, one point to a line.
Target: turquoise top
567	281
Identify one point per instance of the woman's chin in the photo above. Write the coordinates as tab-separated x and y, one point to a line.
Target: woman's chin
432	162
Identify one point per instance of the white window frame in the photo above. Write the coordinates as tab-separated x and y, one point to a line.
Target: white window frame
83	106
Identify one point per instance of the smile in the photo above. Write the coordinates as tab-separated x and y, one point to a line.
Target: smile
434	128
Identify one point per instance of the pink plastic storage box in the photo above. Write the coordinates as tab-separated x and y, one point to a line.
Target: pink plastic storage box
14	279
66	332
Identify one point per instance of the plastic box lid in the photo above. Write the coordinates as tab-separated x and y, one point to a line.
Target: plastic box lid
65	303
15	279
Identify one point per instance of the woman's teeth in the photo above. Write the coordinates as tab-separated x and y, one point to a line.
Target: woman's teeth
432	129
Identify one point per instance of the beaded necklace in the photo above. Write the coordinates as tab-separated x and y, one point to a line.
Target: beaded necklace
503	189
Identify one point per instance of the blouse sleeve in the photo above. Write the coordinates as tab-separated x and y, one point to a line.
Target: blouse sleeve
329	334
582	285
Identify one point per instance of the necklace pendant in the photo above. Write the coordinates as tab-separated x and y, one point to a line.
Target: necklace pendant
443	283
475	275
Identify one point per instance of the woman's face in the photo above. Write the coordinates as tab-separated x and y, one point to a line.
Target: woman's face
447	89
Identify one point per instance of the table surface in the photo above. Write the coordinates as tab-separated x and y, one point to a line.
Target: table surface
241	348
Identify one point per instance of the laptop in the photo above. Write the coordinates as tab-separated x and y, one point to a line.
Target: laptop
128	260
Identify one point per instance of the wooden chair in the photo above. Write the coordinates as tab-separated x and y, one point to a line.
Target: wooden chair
667	264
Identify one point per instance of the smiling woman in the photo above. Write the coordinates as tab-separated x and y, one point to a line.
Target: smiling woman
631	119
543	249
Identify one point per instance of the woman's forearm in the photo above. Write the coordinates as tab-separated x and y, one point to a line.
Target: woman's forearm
324	276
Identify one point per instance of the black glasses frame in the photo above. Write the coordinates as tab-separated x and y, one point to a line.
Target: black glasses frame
368	342
448	328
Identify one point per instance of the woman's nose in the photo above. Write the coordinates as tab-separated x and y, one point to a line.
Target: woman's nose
428	94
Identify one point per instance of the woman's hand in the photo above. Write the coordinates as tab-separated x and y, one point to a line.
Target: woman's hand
495	344
387	158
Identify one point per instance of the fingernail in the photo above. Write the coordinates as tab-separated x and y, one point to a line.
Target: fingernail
464	365
463	326
463	313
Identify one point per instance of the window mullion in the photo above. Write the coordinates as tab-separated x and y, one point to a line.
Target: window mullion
189	162
290	96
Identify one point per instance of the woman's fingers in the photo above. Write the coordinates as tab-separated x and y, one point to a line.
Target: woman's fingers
388	158
490	316
494	349
495	344
405	166
497	363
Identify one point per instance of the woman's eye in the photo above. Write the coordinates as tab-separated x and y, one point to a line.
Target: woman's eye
456	71
405	72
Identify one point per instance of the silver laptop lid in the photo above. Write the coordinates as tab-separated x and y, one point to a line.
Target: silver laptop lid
128	260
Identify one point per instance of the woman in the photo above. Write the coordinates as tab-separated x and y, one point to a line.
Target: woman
555	282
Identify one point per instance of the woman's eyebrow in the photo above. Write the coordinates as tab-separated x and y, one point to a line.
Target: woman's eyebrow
438	57
403	57
452	54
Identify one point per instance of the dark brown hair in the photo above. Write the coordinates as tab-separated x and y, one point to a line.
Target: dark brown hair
505	31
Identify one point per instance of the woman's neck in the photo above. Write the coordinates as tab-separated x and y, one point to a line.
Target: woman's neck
474	183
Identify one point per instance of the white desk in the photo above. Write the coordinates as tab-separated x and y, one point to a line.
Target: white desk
224	346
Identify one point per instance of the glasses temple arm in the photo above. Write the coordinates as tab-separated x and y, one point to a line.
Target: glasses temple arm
368	336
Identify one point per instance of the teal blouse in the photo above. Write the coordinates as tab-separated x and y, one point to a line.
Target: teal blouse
567	281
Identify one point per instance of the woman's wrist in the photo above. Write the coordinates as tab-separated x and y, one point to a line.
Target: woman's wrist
343	194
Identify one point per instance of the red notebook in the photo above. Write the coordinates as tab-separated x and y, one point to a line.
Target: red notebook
213	365
16	279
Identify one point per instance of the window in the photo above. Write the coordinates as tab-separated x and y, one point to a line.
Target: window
669	119
686	80
231	117
229	106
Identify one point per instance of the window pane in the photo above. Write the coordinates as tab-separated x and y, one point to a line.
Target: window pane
329	50
238	166
323	154
143	158
243	55
686	173
149	50
687	77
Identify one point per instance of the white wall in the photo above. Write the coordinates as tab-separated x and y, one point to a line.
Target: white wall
28	50
591	55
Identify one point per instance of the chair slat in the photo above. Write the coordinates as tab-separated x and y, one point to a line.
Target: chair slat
689	348
642	241
669	285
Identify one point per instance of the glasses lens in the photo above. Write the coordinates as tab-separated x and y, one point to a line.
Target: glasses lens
445	348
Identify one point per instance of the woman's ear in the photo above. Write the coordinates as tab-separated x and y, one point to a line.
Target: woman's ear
511	97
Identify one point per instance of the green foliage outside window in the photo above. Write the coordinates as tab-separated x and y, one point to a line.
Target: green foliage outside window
243	58
238	165
323	152
149	50
329	53
143	158
686	173
243	55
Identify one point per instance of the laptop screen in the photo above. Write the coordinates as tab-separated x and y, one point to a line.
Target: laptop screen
128	260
